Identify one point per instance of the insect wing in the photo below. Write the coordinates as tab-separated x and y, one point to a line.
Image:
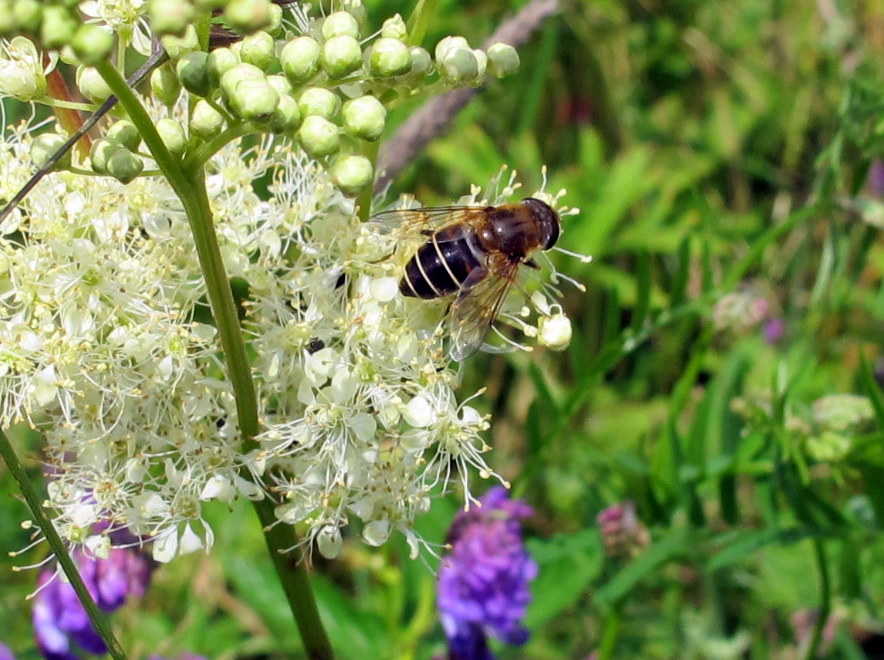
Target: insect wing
409	224
476	307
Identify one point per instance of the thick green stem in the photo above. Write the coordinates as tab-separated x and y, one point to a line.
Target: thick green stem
363	202
96	616
293	576
610	633
188	181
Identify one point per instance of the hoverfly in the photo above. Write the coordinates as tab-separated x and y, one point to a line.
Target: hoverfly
474	252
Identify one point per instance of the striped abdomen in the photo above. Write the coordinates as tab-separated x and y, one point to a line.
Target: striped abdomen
442	264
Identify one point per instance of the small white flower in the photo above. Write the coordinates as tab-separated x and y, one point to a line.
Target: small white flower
554	331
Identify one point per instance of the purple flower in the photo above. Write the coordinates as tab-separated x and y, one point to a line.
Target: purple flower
774	330
483	582
876	177
623	534
5	653
61	623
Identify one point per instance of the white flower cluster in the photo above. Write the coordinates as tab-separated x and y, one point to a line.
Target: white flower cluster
108	348
101	350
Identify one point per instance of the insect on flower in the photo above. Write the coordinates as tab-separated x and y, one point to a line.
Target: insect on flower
475	252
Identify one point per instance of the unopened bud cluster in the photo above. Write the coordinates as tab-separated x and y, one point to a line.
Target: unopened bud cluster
322	87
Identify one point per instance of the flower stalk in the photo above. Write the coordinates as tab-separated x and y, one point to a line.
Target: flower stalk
189	185
96	616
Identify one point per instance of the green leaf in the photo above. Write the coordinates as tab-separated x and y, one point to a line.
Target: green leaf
676	544
568	563
872	390
741	545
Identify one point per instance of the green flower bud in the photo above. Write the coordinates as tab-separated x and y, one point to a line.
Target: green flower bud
481	62
389	57
101	151
287	116
458	65
177	47
280	84
44	147
258	49
21	76
254	99
247	16
221	60
300	59
319	136
193	72
205	120
421	62
352	173
447	44
172	135
395	28
340	23
28	14
125	133
124	166
169	16
319	101
92	85
503	60
274	28
365	117
165	84
340	56
92	44
236	74
58	27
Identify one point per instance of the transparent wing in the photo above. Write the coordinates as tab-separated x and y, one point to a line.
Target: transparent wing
409	224
477	306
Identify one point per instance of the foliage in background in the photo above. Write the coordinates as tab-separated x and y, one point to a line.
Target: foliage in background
723	374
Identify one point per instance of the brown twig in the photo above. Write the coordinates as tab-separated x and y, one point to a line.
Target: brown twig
436	115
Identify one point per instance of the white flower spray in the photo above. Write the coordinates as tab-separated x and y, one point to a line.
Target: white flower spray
107	346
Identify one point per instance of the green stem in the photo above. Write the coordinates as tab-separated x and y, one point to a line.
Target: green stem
201	155
188	181
825	599
170	165
610	633
199	213
293	577
363	202
98	619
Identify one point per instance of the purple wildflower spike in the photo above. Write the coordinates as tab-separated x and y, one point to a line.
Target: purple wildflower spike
60	622
483	582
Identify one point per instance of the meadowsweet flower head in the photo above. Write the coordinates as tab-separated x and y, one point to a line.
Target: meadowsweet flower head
483	583
108	345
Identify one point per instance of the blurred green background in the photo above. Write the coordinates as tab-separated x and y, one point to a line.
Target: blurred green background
725	371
